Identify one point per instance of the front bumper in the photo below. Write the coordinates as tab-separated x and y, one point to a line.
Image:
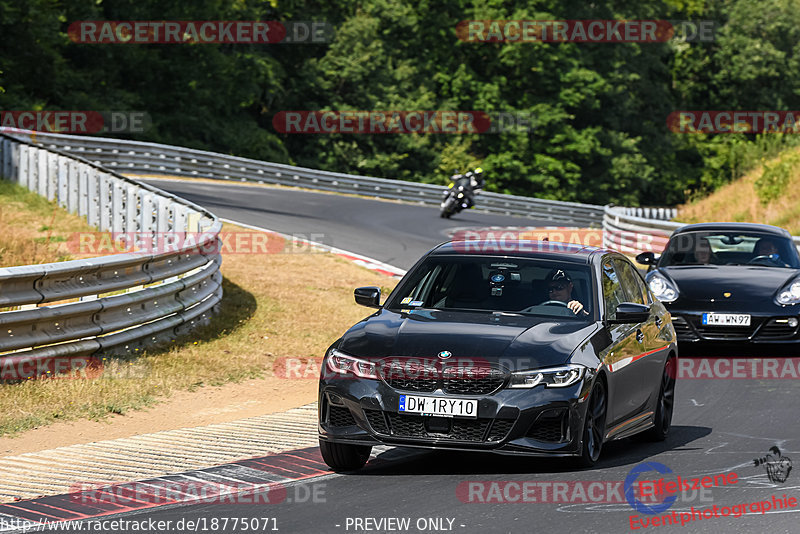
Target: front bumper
769	327
538	422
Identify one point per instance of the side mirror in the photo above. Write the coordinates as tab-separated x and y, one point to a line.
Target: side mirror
631	312
646	258
368	296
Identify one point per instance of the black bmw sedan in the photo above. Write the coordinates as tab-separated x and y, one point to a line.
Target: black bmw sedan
539	348
729	282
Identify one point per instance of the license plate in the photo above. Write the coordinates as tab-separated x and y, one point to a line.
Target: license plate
443	407
726	319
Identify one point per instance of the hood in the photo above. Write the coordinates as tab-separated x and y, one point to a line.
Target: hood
745	283
516	341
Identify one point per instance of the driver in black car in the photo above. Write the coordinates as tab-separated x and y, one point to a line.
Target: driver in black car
559	287
765	247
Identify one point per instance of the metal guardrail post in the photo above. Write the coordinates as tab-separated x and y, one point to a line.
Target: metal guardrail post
41	167
62	187
83	191
51	180
23	169
93	198
73	186
117	207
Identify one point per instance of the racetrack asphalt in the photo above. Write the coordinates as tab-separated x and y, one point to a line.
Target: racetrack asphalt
392	232
719	426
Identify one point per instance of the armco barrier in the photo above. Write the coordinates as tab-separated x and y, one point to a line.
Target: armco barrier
629	231
137	157
632	234
156	296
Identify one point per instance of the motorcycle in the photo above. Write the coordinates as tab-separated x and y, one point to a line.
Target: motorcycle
457	196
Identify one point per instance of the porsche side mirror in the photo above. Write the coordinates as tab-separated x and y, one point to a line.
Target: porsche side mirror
630	312
646	258
369	296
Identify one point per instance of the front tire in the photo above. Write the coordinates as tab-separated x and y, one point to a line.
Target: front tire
343	456
594	426
666	404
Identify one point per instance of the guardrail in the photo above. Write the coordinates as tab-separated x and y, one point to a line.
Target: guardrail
629	232
117	304
137	157
632	234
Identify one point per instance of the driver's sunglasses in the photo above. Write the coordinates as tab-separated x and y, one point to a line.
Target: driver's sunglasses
557	287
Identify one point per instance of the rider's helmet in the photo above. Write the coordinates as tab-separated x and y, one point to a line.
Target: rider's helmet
478	173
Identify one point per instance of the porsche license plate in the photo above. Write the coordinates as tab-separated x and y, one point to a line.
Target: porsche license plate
441	406
726	319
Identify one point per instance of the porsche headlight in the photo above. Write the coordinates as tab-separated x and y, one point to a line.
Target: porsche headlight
662	289
554	377
789	294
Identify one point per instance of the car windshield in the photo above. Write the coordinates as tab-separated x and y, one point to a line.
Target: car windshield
490	284
730	248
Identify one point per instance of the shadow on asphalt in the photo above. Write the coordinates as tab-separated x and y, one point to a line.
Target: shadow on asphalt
626	452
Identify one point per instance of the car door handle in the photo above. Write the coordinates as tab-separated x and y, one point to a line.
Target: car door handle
639	336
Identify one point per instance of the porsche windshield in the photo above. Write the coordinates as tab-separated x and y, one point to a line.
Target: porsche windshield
526	286
730	248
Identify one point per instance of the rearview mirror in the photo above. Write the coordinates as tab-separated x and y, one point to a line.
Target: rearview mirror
647	258
369	296
630	312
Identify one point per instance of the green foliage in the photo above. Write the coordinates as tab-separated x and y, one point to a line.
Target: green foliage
775	177
599	132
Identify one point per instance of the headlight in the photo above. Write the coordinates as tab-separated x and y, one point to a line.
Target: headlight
789	294
344	364
554	377
661	288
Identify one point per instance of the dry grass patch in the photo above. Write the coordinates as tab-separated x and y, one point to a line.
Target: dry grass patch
739	201
34	229
275	305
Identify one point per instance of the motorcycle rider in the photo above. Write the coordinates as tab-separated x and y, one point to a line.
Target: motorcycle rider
472	182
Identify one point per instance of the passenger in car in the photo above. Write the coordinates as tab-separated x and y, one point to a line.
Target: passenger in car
703	253
559	287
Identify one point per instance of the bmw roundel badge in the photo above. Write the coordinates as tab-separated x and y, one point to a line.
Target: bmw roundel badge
445	354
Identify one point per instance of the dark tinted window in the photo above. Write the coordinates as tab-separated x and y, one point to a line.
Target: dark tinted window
631	281
495	284
729	248
612	289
